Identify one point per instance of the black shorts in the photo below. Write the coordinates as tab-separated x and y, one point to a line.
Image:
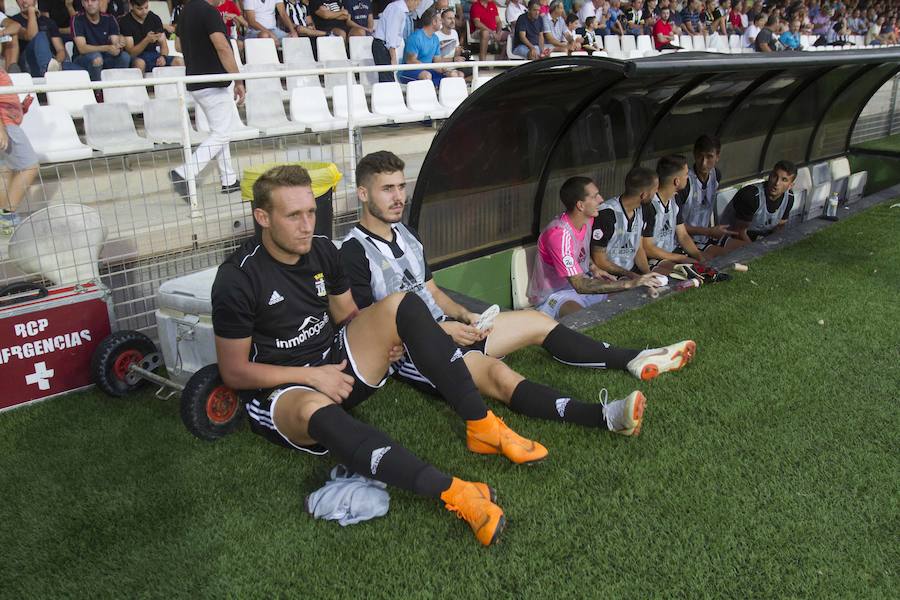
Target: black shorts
654	262
405	369
260	404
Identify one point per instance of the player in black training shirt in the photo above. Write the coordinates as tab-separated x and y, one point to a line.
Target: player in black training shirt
760	209
281	306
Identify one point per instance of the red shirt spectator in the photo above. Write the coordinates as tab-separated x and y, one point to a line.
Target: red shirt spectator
486	12
664	28
229	8
736	22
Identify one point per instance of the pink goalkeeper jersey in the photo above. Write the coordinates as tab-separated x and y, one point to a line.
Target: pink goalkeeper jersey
562	252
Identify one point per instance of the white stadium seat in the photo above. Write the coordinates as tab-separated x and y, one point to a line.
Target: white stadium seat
628	43
73	101
22	79
162	122
387	100
237	131
331	48
520	274
168	90
52	134
849	185
699	42
685	42
310	109
362	116
420	96
261	51
818	193
109	128
611	43
821	173
645	43
720	44
161	9
297	50
735	43
134	97
723	198
361	48
509	50
452	92
265	111
802	187
481	80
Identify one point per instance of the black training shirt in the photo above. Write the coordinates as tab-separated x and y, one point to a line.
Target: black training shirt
746	202
356	265
284	308
199	20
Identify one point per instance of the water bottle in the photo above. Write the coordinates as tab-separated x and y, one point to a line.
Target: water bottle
831	207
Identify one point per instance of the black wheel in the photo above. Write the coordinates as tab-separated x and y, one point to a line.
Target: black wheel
209	408
113	357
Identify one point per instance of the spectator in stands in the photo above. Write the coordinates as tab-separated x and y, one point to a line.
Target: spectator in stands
616	239
10	49
448	36
874	37
690	19
144	38
554	25
362	15
748	39
596	9
760	209
564	279
754	10
58	12
651	13
573	38
176	7
486	26
17	157
41	46
736	18
719	17
529	33
591	43
98	44
394	25
514	10
662	31
298	13
615	16
262	18
698	199
765	39
790	39
634	18
821	20
234	20
424	47
201	33
665	238
857	23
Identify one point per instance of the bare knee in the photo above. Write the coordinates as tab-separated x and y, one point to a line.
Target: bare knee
503	379
293	411
139	64
97	62
424	75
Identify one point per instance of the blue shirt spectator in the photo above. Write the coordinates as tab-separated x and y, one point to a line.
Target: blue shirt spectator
790	40
423	46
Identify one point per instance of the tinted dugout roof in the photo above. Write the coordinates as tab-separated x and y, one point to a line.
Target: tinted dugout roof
492	176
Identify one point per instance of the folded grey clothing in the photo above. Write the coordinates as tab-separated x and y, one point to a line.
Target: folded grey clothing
348	498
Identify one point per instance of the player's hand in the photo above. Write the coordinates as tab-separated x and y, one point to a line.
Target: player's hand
649	280
598	273
720	231
462	334
396	353
4	140
332	381
469	318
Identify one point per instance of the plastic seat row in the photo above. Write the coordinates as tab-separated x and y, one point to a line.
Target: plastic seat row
299	51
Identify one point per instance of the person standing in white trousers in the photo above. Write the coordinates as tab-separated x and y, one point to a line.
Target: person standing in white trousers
206	49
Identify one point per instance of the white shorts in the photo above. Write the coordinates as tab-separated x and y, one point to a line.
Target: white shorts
552	305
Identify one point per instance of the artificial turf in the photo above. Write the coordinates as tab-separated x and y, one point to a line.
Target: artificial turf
768	468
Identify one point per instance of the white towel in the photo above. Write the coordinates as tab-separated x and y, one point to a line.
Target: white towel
348	498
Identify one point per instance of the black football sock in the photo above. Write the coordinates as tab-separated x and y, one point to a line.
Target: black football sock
573	348
438	358
371	453
535	400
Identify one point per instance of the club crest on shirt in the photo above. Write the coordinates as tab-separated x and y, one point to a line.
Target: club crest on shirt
569	261
598	234
320	283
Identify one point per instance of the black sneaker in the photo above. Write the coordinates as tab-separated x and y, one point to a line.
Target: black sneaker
234	187
180	185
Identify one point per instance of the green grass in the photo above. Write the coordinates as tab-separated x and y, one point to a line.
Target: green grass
768	468
890	143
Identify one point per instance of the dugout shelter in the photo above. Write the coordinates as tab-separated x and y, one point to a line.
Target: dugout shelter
491	178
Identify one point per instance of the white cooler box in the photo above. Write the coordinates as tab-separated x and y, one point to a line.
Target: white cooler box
184	323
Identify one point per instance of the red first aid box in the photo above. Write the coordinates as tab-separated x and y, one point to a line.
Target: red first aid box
47	340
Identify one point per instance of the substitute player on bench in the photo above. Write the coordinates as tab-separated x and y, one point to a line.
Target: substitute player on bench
616	238
275	301
760	209
665	238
